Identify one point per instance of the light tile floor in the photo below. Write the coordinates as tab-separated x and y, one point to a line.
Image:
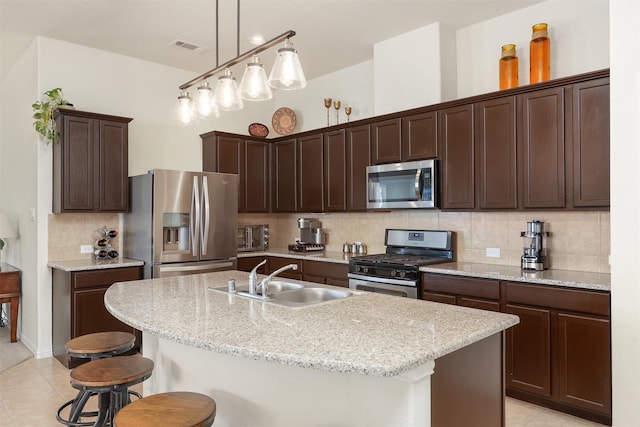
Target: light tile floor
31	392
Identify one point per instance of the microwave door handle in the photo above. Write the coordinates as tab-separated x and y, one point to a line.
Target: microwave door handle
204	235
195	215
418	184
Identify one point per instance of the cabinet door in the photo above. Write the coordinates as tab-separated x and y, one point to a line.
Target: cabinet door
386	142
277	262
590	138
457	157
78	157
90	314
528	350
358	158
310	172
257	176
284	169
495	142
230	159
584	362
249	263
419	136
335	170
112	188
541	144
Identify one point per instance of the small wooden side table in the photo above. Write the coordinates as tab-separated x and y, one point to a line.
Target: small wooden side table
10	293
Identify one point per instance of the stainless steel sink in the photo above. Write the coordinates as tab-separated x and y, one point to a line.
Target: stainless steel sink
290	294
307	296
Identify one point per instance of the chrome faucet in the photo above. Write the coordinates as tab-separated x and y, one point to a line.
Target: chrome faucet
264	283
253	278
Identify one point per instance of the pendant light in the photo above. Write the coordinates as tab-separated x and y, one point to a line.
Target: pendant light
287	72
254	85
183	110
226	96
204	101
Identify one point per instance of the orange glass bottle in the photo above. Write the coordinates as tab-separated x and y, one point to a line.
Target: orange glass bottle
508	67
539	54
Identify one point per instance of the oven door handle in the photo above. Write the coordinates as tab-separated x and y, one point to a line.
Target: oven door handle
385	280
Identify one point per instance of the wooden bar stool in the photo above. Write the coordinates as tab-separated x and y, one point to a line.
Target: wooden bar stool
94	346
175	409
100	345
110	379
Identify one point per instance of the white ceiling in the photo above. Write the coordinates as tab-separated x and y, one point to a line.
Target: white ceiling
331	34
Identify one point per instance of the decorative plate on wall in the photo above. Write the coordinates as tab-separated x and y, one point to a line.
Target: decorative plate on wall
284	121
258	129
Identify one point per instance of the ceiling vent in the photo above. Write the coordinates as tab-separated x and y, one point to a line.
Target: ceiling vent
189	46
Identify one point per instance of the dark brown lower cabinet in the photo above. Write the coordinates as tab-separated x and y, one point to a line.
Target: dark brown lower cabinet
275	263
559	355
328	273
78	307
249	263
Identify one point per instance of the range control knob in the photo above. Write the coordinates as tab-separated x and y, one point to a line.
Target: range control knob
394	273
365	270
402	273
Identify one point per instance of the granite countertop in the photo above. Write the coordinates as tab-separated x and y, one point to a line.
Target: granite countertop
367	333
92	264
566	278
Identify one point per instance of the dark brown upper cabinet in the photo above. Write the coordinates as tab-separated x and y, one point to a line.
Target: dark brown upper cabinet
90	162
285	185
310	173
420	136
246	158
386	141
495	142
358	158
335	171
541	146
457	164
590	143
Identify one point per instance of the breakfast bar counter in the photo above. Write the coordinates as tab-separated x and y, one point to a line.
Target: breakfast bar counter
363	360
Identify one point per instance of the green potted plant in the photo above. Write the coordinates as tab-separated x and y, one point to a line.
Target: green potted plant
43	113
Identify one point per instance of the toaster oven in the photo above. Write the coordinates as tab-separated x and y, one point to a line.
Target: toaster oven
253	237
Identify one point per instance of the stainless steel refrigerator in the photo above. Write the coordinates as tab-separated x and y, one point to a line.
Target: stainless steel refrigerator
182	222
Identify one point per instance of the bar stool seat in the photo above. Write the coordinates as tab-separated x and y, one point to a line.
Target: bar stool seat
175	409
100	345
110	379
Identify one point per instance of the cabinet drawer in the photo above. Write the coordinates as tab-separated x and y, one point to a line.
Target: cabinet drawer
10	283
104	277
481	288
326	269
444	299
559	298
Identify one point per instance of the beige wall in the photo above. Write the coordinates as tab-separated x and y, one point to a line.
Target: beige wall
578	240
70	230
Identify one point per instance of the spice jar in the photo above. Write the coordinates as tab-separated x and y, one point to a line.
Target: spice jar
508	67
539	54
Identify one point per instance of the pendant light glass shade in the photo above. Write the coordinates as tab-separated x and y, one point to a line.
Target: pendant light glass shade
254	85
287	72
183	111
226	95
204	101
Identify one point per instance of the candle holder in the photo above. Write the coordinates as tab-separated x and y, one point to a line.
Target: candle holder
327	104
347	111
336	105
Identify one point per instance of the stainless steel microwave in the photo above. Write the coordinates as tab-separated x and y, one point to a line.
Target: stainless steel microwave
253	237
402	185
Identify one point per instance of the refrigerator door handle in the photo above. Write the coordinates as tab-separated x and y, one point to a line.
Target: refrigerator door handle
195	215
205	206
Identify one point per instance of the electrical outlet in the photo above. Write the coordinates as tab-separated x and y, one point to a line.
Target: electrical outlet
86	249
493	252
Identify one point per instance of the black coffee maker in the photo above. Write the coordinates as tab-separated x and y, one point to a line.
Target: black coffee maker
535	254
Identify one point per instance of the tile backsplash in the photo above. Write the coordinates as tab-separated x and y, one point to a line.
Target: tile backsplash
68	231
578	240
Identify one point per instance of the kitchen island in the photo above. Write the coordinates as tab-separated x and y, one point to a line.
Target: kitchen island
368	359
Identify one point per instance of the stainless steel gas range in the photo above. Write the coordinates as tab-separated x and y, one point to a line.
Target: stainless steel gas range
396	272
